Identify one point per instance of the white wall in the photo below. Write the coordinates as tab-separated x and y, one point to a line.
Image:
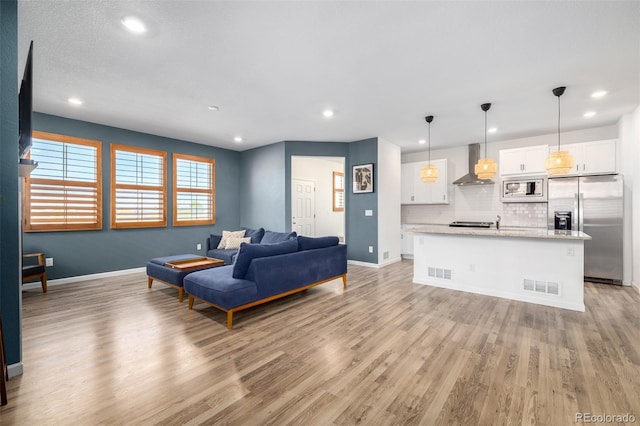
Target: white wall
320	170
389	172
629	152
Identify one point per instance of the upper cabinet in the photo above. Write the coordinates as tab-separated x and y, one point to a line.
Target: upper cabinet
523	161
415	191
591	158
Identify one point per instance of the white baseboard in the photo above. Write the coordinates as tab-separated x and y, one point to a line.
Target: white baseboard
635	286
59	281
14	370
373	265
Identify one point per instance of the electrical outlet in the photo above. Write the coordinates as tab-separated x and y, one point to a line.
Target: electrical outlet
370	249
198	246
48	261
472	267
571	251
368	212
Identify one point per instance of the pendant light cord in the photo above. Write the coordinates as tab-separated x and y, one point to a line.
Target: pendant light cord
429	155
485	134
558	123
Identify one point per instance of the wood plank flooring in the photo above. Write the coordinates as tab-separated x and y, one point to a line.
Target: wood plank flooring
383	352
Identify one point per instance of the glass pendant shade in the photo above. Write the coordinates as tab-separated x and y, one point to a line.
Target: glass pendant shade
429	173
559	163
486	168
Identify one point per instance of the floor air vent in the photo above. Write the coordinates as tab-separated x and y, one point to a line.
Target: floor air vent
547	287
444	274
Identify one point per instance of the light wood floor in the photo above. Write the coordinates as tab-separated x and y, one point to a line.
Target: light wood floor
385	351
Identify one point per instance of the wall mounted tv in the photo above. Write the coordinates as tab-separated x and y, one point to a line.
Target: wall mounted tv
25	106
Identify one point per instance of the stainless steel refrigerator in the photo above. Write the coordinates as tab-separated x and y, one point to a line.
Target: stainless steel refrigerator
593	205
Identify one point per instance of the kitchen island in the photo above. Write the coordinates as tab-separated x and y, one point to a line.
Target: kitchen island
529	265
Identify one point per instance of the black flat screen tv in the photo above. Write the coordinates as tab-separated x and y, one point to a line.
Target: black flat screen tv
25	106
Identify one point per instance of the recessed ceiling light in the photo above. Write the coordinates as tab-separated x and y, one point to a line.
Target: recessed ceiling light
599	93
422	141
134	25
589	114
75	101
492	129
237	139
327	113
213	108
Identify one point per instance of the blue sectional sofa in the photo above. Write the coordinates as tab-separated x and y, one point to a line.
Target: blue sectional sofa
262	273
258	236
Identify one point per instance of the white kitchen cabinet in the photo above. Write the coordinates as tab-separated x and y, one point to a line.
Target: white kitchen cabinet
407	241
591	157
523	161
415	191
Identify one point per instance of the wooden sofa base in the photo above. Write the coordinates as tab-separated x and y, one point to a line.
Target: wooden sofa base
180	289
265	300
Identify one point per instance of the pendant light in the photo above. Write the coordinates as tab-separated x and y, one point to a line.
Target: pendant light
429	172
559	162
486	168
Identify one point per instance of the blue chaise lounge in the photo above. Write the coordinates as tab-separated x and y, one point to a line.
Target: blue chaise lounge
262	273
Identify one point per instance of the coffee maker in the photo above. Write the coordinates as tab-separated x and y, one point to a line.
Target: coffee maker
563	220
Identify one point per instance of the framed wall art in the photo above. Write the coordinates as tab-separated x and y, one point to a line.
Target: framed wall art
362	178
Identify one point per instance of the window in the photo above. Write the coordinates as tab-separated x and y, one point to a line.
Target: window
138	187
193	190
64	193
338	192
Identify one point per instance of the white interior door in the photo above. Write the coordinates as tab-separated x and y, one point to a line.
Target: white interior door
303	207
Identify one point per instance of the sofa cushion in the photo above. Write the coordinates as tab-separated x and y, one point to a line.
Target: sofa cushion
226	255
248	252
217	286
308	243
213	241
234	243
230	234
271	237
255	234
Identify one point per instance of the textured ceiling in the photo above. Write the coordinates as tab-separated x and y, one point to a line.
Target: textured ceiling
273	67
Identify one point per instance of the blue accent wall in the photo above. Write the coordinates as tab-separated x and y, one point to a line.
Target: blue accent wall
89	252
262	188
362	231
9	181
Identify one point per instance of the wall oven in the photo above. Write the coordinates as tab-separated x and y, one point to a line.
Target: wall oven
524	190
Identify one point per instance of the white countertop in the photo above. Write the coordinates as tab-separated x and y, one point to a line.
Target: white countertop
502	232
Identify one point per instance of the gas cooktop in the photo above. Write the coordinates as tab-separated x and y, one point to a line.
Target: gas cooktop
464	224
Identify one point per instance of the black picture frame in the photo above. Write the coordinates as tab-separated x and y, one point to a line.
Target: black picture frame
362	178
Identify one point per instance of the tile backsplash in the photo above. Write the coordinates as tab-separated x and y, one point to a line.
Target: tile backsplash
478	203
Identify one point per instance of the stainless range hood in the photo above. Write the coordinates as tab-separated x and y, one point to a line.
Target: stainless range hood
471	178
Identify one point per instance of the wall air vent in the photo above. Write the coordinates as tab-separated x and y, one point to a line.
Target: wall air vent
537	286
441	273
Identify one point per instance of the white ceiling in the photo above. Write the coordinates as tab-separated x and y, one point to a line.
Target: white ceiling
273	67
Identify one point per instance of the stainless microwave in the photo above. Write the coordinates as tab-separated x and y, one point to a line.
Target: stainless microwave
524	190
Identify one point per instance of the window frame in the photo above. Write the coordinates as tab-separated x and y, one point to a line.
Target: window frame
211	191
338	190
28	226
114	186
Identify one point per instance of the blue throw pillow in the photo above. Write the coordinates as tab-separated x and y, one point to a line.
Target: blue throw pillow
271	237
255	234
214	241
249	252
307	243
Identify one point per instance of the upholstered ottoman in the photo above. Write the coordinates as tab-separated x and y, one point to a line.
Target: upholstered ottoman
171	270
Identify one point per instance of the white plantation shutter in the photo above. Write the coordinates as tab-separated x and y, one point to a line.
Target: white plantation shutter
193	190
64	193
138	187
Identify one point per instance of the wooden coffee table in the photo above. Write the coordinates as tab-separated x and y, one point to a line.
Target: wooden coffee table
198	263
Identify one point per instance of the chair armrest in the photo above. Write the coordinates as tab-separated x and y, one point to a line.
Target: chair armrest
40	257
